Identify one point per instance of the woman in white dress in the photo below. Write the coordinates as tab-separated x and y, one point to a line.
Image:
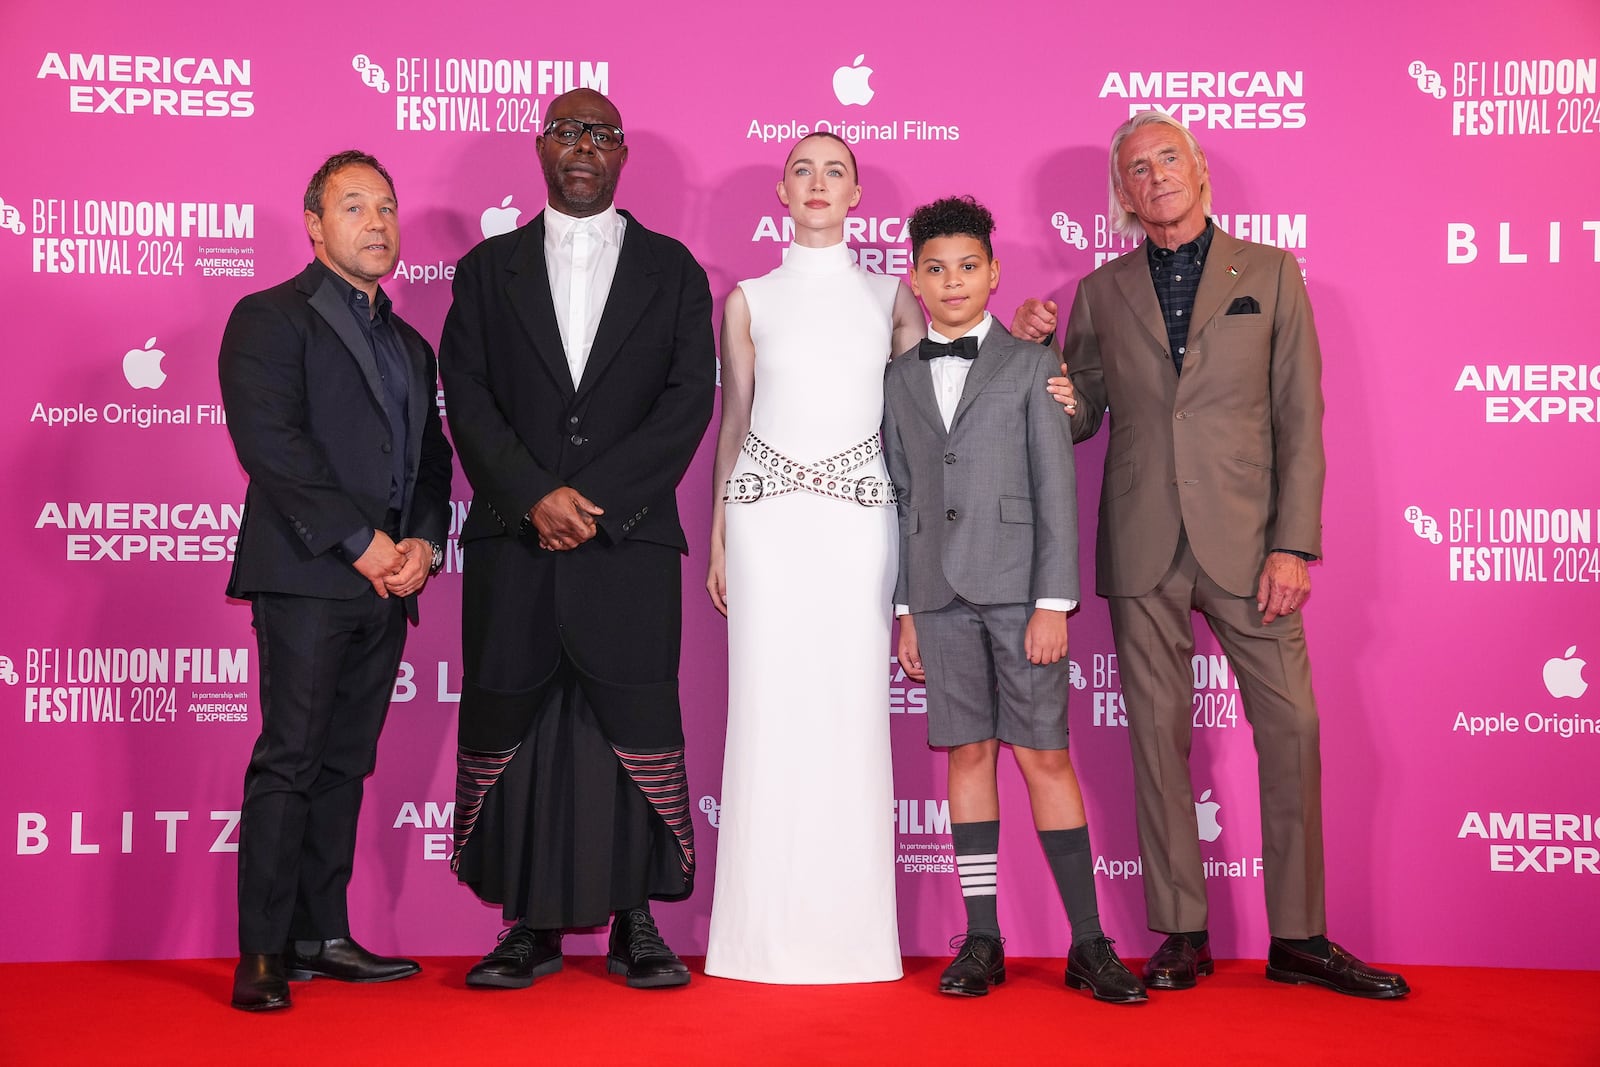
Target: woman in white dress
803	546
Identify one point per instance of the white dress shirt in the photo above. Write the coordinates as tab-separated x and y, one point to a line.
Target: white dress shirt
581	256
950	372
949	379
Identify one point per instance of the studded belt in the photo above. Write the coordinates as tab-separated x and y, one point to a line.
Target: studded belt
826	477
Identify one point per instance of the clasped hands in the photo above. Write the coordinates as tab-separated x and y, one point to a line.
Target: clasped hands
395	568
564	519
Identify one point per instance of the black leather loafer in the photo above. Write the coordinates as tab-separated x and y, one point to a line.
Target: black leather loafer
1340	972
1178	964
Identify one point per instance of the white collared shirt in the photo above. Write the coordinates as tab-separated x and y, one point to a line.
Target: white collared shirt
950	372
581	271
949	379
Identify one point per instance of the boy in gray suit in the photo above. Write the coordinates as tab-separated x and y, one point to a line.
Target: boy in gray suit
981	459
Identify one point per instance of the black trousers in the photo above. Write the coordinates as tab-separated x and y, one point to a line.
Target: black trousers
327	670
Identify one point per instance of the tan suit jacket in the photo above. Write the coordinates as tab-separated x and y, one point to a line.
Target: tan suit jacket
1231	451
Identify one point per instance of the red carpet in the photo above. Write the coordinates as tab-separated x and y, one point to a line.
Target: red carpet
177	1012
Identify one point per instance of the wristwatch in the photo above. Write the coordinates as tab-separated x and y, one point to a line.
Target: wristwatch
438	559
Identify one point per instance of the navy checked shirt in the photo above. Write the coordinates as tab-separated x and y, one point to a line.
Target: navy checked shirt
1176	274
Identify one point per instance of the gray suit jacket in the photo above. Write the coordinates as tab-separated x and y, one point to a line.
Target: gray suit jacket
988	510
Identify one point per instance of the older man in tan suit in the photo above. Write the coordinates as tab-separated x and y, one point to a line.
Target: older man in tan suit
1203	348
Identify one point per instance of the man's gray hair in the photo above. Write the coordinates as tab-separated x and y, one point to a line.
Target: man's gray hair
1127	223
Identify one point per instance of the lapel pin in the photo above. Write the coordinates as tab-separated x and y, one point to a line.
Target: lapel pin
1233	272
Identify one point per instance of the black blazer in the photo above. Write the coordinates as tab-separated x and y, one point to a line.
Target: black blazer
625	437
304	409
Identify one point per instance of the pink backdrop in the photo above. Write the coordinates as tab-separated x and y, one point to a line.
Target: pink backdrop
1432	168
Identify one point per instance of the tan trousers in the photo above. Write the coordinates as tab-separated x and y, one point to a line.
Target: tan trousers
1154	636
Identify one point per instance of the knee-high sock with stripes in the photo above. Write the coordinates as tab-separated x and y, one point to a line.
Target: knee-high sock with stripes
977	849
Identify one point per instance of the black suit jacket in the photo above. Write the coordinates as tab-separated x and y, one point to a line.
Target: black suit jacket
624	437
305	411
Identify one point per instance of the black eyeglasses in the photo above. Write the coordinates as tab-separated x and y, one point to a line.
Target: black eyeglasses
606	137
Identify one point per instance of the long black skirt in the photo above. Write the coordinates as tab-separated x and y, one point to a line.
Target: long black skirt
565	836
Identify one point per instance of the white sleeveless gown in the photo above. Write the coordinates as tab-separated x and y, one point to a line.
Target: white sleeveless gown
805	882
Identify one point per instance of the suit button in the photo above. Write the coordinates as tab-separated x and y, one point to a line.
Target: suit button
951	514
949	457
573	421
576	439
386	448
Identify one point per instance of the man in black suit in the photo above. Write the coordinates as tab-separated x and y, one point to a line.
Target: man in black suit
330	403
579	369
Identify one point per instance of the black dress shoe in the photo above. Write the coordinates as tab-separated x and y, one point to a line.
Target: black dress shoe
1178	964
1340	972
341	958
1093	965
980	963
259	984
637	950
522	955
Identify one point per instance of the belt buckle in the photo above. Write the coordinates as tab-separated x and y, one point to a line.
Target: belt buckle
743	481
873	488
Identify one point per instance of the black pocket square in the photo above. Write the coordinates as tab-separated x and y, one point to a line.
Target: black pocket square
1244	305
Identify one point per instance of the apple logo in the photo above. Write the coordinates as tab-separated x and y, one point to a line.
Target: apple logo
142	366
498	220
850	83
1206	813
1564	677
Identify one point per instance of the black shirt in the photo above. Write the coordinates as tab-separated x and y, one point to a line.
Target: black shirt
394	371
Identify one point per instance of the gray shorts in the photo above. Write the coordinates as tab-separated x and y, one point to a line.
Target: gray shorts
980	683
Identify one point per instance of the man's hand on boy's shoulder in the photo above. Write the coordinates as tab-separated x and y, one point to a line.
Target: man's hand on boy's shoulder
1046	639
1035	320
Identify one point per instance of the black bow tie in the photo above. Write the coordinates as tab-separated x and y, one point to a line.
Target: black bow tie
965	347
